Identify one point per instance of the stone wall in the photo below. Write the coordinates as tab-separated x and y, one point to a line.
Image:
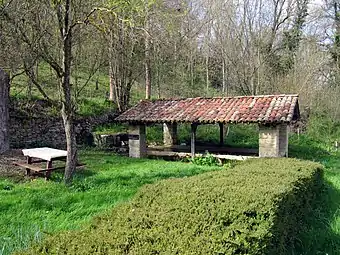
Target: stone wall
283	140
169	134
137	141
273	140
28	132
269	141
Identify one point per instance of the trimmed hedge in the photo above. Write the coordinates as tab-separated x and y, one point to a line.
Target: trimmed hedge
255	208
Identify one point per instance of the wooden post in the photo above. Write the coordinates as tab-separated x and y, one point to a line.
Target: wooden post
48	173
193	139
221	133
29	161
49	164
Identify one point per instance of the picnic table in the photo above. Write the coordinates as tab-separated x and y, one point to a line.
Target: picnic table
39	155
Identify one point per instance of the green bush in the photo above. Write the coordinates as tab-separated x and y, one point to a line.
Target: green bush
205	160
154	134
94	106
256	208
111	128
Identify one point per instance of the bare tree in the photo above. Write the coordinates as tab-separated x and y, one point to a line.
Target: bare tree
35	36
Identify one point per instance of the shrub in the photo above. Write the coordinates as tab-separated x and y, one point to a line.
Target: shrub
94	106
256	208
205	160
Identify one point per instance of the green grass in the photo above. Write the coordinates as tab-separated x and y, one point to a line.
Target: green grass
33	209
30	210
90	101
94	106
111	128
322	236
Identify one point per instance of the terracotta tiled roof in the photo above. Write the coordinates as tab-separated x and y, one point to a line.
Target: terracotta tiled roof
246	109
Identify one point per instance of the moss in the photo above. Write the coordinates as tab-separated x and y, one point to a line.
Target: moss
256	208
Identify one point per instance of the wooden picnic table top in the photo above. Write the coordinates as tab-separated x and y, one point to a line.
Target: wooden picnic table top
45	153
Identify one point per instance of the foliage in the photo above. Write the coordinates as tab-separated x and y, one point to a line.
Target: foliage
205	160
324	128
94	107
91	101
237	135
111	128
154	134
31	210
243	211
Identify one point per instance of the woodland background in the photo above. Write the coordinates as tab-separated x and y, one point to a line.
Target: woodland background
121	51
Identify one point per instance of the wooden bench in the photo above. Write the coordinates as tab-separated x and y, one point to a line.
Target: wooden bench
40	155
37	170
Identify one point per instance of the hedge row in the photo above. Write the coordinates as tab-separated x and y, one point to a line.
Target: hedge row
255	208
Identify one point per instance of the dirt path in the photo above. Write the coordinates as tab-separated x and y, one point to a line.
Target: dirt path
7	169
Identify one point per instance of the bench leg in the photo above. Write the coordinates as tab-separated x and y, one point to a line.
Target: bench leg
29	161
48	173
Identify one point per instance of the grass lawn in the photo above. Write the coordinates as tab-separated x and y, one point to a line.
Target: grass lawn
30	210
33	209
322	237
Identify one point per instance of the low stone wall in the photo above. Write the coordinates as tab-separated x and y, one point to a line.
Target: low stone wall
28	132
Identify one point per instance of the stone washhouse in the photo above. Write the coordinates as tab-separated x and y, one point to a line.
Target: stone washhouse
272	113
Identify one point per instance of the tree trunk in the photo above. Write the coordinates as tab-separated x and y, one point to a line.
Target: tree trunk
207	73
4	115
112	89
67	111
71	161
223	78
147	61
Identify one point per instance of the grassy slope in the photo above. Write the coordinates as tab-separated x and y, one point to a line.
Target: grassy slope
30	209
323	234
89	102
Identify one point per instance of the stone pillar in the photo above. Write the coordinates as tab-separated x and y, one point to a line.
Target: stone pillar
170	134
137	141
4	114
269	141
283	140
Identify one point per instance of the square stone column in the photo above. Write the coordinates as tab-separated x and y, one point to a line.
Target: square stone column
137	141
283	140
170	134
269	141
